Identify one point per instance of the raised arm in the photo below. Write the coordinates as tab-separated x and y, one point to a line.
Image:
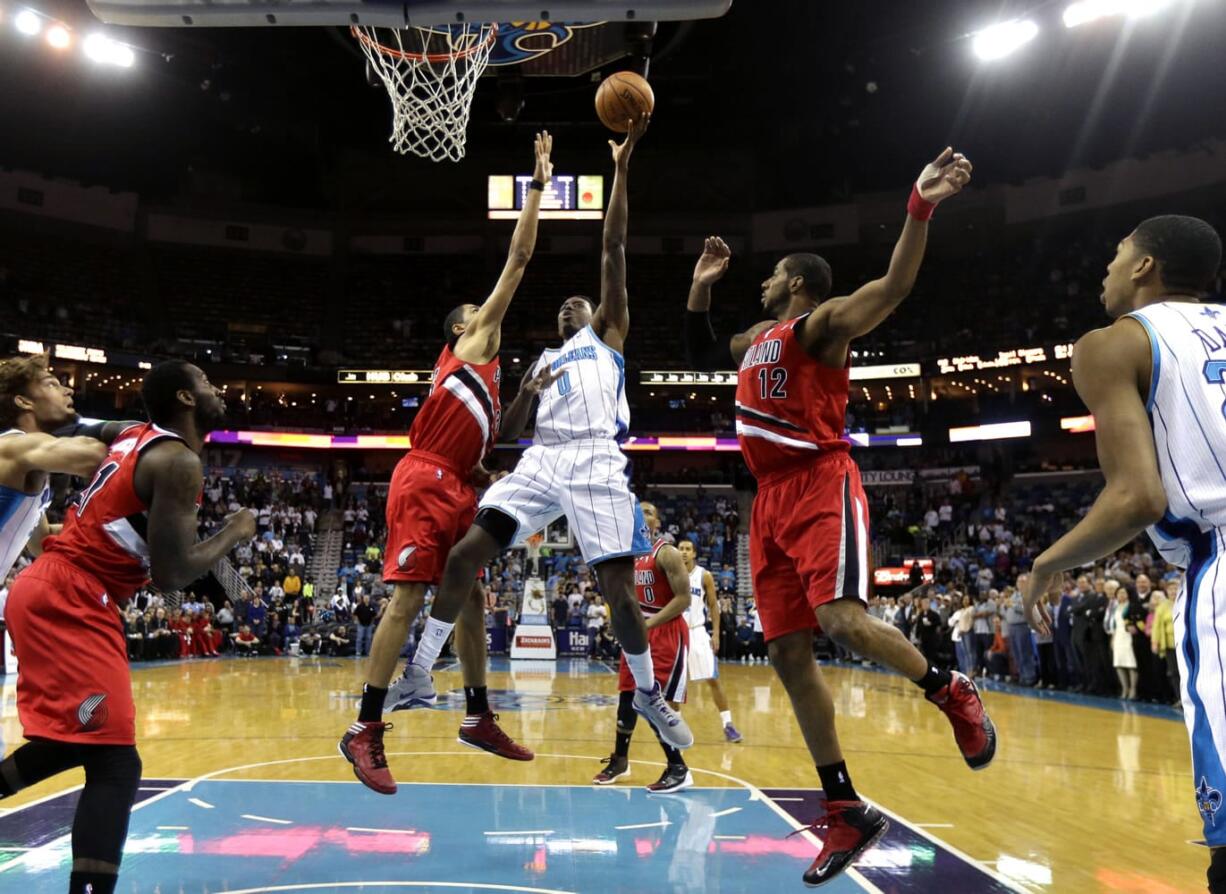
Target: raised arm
612	319
669	560
172	476
483	336
705	350
41	452
839	320
1111	369
106	432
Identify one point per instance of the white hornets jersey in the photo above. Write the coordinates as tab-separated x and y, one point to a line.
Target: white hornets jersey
1187	405
696	614
19	516
588	400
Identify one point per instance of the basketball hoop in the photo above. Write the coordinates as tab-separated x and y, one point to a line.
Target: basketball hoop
431	75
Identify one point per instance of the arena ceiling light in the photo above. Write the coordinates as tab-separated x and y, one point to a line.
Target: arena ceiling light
58	37
28	22
1003	39
106	51
1086	11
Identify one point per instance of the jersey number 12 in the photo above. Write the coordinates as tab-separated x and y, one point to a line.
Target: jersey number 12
771	382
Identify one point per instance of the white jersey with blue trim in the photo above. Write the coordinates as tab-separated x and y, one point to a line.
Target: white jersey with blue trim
588	400
19	516
696	614
1187	405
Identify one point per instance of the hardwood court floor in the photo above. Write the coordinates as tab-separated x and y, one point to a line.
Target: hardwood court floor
1079	799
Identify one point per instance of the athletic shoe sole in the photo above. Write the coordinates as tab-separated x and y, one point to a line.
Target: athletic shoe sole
414	703
872	842
612	779
480	746
340	746
982	763
688	782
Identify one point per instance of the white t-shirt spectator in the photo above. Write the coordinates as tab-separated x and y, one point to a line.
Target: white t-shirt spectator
596	615
946	513
757	621
340	602
931	519
297	558
573	599
309	517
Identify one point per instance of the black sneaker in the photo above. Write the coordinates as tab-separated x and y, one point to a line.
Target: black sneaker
852	827
673	779
615	768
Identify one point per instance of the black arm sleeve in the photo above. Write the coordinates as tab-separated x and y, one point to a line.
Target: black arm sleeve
703	349
106	432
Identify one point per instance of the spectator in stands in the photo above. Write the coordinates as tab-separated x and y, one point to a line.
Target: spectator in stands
927	626
292	585
162	642
597	618
558	611
245	642
257	612
338	641
310	641
340	604
134	629
984	612
1021	648
727	578
1049	674
962	623
1120	627
204	635
225	621
364	615
1162	636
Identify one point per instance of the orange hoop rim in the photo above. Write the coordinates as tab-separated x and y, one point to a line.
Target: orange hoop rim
433	58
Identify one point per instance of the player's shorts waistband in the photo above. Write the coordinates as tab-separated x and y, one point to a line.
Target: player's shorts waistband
423	456
64	565
808	464
588	443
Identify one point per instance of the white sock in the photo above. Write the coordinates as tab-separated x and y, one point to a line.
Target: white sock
640	666
725	717
433	638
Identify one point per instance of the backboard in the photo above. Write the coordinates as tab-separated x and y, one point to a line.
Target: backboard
392	13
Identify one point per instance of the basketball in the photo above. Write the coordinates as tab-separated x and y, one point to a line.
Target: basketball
623	96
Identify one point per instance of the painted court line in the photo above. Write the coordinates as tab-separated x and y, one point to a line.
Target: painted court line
382	831
468	886
728	837
173	828
933	825
728	812
205	804
266	819
659	825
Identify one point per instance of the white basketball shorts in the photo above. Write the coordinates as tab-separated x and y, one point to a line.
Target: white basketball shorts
703	663
584	480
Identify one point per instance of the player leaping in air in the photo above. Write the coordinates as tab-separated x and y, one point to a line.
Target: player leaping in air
809	528
431	504
575	468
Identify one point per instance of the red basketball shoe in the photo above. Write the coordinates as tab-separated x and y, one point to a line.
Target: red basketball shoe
973	729
852	827
482	731
362	746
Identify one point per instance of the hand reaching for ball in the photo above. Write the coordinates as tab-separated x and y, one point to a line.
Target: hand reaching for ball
622	150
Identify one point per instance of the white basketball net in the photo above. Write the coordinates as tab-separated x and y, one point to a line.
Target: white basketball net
431	75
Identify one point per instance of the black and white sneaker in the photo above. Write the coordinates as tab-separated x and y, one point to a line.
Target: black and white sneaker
616	767
673	779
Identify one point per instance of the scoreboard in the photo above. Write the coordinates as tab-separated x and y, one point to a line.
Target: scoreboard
567	197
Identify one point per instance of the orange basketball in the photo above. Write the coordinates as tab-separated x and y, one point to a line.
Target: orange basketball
623	96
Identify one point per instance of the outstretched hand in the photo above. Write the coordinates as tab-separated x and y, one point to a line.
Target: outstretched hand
544	162
713	264
622	150
535	384
1034	591
945	176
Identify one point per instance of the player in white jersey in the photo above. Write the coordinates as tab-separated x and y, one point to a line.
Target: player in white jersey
1155	381
574	468
703	663
33	404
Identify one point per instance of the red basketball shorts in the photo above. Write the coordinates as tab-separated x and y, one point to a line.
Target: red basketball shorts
73	683
429	508
808	544
670	647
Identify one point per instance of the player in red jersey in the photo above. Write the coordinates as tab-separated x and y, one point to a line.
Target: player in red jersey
135	522
662	587
809	529
431	504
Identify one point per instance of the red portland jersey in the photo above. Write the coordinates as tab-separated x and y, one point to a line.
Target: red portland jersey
459	420
651	584
789	407
106	527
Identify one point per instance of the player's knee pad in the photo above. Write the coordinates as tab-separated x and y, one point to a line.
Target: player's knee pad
627	717
1217	871
112	777
498	525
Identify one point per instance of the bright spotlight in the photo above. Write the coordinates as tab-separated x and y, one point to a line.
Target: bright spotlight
28	23
1086	11
998	41
102	49
58	37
